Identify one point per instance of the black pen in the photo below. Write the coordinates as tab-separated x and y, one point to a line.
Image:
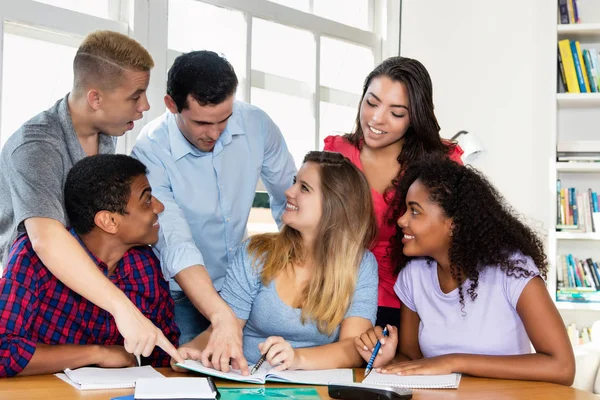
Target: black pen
259	363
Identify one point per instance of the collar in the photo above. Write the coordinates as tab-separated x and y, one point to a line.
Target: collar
121	270
180	147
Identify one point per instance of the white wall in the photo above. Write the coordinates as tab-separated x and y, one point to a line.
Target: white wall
493	69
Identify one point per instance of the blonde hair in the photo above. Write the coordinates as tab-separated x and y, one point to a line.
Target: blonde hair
103	56
346	229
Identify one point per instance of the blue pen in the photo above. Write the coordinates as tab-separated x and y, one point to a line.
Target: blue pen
375	351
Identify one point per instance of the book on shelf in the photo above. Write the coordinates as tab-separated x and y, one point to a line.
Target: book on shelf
577	279
579	69
576	211
568	12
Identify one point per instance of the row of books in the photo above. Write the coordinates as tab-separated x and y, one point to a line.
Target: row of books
577	211
568	12
579	336
575	276
579	69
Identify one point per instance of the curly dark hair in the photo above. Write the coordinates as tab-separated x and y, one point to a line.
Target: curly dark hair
487	231
205	75
423	136
97	183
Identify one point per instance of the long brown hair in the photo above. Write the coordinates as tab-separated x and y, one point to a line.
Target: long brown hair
423	136
346	230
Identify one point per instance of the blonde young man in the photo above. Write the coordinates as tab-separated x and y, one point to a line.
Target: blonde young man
111	75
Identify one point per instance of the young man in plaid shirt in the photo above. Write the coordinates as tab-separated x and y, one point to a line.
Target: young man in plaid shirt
46	327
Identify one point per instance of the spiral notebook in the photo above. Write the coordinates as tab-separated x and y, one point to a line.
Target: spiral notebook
449	381
266	373
107	378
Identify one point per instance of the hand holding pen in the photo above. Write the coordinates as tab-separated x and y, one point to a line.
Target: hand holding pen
277	352
376	347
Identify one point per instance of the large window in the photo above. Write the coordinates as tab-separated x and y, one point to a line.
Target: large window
301	61
35	61
39	41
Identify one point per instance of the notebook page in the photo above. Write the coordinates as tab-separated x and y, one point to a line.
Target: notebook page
312	377
234	375
108	378
174	388
450	381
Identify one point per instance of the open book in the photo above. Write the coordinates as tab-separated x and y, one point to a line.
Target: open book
107	378
267	373
450	381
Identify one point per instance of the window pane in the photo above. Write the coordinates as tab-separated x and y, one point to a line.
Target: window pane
97	8
350	12
35	75
294	117
280	50
302	5
194	25
345	66
335	120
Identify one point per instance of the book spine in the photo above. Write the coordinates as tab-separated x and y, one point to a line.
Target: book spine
589	70
575	12
580	55
595	65
570	11
578	69
566	56
563	11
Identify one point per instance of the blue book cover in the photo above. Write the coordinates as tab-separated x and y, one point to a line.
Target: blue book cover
578	67
595	201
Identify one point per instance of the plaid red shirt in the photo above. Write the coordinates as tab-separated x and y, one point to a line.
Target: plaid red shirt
35	307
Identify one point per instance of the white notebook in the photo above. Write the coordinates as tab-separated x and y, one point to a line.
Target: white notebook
175	388
450	381
107	378
266	373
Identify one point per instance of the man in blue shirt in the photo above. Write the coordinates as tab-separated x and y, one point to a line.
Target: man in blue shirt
205	156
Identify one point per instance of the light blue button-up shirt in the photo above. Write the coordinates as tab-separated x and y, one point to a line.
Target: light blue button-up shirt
208	195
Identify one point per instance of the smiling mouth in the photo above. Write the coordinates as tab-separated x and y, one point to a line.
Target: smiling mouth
291	207
408	237
376	131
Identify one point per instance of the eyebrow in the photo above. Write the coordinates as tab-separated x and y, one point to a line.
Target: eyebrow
148	190
213	123
139	91
414	203
393	105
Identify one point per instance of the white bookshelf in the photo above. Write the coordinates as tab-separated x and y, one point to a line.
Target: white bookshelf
578	99
582	167
577	236
577	120
572	306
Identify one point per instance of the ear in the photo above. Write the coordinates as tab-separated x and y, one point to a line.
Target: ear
170	103
93	99
450	225
107	221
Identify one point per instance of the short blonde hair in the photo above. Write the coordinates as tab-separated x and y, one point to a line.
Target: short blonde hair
104	55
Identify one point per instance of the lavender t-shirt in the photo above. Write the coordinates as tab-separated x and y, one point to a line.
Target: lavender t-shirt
489	325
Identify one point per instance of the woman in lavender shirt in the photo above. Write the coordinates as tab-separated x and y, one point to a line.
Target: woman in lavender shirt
470	281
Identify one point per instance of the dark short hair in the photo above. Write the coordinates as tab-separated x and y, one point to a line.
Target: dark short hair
205	75
99	183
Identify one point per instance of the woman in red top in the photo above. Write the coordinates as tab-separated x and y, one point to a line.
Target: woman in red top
395	126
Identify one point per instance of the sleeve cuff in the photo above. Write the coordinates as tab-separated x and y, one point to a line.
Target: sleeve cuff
175	259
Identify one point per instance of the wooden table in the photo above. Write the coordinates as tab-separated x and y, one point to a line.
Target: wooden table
49	387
